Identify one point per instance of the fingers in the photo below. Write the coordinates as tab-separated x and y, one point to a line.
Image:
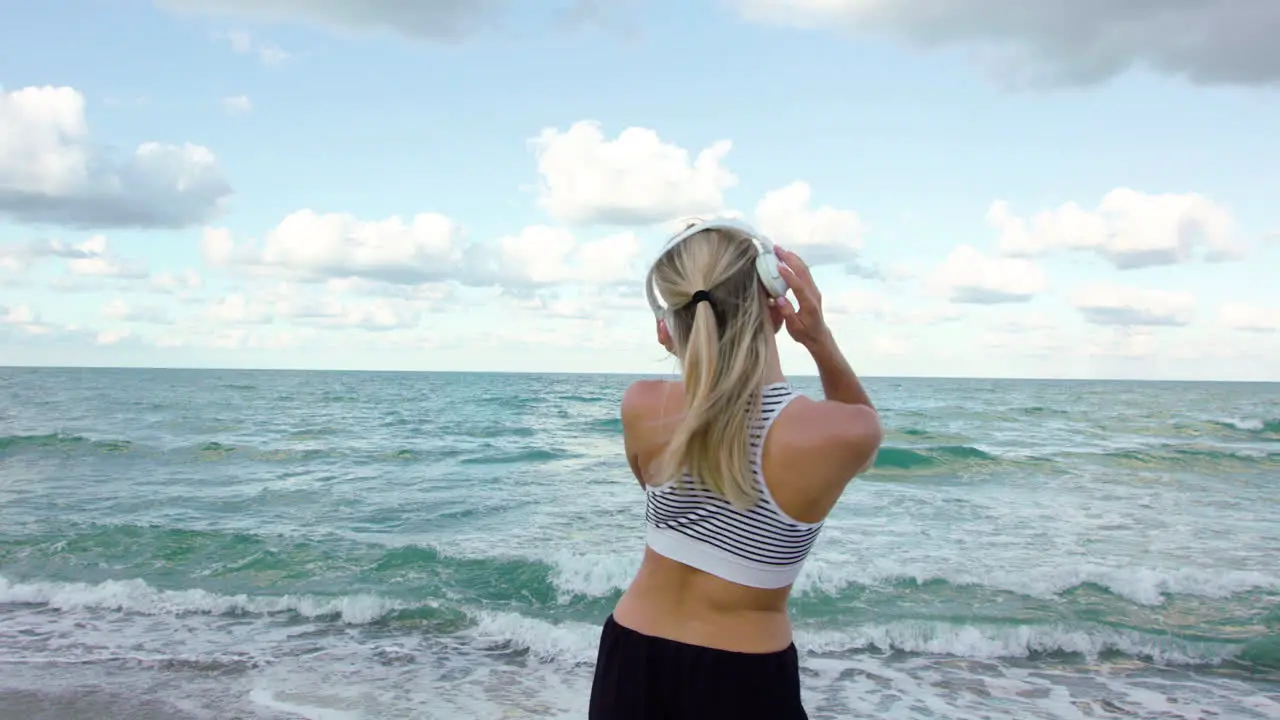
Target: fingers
801	286
788	313
791	276
795	262
793	281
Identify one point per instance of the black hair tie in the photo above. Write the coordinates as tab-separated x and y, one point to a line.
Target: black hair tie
701	296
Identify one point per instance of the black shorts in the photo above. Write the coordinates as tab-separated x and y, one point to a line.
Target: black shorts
641	676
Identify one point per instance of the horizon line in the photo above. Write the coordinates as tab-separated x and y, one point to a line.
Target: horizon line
616	373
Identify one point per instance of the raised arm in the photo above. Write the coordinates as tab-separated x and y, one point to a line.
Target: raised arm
848	420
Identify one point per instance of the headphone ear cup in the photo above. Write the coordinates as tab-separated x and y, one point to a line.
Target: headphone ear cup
770	275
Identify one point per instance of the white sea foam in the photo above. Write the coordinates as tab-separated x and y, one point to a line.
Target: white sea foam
1245	424
827	575
574	642
507	664
136	596
597	574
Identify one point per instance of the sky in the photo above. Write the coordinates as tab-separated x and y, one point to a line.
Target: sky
1066	188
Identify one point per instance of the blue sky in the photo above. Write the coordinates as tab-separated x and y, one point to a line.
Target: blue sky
356	185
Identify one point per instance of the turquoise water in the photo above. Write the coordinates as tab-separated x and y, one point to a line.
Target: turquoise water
377	545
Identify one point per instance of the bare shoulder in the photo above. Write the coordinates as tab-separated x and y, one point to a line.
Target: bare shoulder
642	392
842	438
649	408
646	398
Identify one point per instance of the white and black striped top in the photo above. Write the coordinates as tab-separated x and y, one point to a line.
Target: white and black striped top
761	546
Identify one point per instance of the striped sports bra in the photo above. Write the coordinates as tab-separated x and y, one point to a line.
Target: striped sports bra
760	547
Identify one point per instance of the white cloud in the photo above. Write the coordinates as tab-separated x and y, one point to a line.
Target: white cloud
272	54
376	314
242	43
635	179
608	260
889	345
18	315
1252	318
928	316
380	314
423	251
324	306
557	307
676	225
969	276
20	256
900	273
597	303
820	235
112	337
237	104
543	255
330	310
231	338
428	295
120	310
1129	306
27	321
1065	42
44	150
1123	342
1130	229
863	304
574	333
1029	334
176	282
1035	322
91	258
51	172
537	253
97	261
316	246
857	302
237	309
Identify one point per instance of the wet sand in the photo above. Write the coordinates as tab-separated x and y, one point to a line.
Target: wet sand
84	704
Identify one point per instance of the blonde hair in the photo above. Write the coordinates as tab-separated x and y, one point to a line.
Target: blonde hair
723	346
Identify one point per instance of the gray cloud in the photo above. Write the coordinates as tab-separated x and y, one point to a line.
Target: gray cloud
1133	316
1129	306
429	20
87	263
1068	42
974	295
26	251
52	172
122	311
858	267
124	196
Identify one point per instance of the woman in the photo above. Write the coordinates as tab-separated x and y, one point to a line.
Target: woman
739	473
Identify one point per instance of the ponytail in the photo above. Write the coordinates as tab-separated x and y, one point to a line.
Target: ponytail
723	356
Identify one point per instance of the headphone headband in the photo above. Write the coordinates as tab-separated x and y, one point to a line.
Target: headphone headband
719	224
766	259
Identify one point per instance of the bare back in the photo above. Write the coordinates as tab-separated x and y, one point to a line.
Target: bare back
808	456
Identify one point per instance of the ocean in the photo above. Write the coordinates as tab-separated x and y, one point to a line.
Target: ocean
272	544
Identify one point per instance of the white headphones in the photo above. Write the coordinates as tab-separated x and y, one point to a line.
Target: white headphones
766	260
